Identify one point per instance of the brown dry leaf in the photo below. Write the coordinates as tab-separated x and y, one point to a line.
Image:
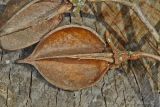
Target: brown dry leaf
30	23
69	57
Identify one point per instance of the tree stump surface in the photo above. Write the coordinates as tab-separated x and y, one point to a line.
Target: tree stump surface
21	85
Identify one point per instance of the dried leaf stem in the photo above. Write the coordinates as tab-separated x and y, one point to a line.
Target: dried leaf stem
139	12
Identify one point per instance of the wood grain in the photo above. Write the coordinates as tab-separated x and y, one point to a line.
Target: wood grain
136	84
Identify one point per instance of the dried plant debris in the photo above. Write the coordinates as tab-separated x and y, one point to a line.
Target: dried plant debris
30	23
29	36
55	60
10	9
116	19
137	8
74	57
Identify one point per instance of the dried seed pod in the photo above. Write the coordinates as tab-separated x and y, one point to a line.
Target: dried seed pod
28	36
30	23
74	57
10	9
70	57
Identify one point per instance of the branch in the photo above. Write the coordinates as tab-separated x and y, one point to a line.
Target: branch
139	12
142	54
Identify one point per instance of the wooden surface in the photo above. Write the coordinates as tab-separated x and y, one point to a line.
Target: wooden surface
21	85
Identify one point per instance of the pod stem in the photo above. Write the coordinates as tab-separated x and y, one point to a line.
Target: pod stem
123	56
137	55
143	54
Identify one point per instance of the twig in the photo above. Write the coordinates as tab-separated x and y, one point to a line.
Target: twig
139	12
137	55
150	56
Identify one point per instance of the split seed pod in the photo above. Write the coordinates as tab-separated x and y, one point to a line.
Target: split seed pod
74	57
63	57
30	23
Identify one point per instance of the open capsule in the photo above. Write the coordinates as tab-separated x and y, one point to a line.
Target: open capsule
74	57
71	57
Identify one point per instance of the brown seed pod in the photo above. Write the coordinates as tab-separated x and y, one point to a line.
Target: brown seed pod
29	36
63	57
30	23
74	57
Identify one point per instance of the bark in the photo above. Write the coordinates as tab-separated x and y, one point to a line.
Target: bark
136	84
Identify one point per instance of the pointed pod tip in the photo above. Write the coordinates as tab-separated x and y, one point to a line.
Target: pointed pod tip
21	61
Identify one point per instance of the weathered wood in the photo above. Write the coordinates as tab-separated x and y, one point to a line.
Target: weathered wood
130	86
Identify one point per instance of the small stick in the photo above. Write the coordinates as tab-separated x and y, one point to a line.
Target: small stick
131	55
142	54
109	41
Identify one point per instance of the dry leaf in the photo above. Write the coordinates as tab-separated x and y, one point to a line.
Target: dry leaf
30	23
68	58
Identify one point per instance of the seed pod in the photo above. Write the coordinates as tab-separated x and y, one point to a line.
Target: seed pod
30	23
70	57
29	36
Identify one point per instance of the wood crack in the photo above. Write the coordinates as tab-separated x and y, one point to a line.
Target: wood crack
115	84
124	96
80	99
139	89
2	52
7	98
30	87
57	97
104	97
